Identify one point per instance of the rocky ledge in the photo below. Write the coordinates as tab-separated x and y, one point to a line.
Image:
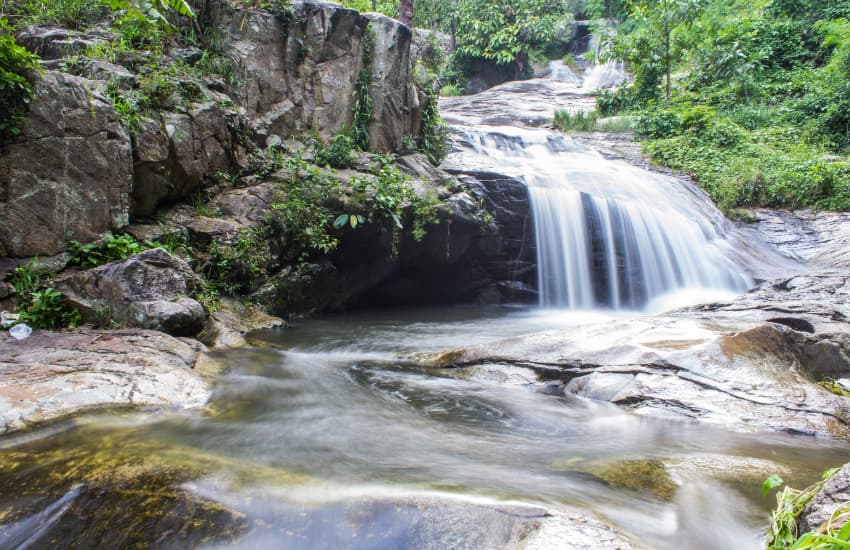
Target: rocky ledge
53	374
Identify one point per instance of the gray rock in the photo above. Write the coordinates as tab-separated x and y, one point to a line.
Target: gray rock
302	76
149	290
68	175
834	493
176	155
728	364
54	374
52	42
395	102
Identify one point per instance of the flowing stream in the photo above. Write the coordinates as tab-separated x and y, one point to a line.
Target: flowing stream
324	436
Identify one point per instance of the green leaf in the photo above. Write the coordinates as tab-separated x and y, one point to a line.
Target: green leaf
341	220
353	221
770	483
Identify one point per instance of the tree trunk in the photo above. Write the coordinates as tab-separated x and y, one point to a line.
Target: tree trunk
405	12
667	55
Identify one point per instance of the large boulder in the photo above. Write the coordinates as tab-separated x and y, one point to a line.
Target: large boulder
300	75
53	374
69	174
150	290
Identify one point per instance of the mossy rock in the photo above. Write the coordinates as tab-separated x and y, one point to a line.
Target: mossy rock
639	475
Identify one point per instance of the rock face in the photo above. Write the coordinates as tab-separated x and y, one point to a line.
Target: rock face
150	290
176	155
54	374
68	175
300	75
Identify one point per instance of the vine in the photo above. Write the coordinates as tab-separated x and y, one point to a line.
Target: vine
363	113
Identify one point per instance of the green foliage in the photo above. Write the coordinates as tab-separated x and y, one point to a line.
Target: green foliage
451	90
282	9
506	31
48	309
760	106
433	139
363	114
110	249
387	7
237	265
68	13
300	214
579	121
27	278
339	153
15	89
782	533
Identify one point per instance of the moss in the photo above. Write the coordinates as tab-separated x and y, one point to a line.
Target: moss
640	475
124	490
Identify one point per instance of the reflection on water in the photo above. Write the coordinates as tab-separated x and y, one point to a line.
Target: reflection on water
326	439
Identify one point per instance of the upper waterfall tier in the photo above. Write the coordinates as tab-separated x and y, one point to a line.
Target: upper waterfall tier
608	234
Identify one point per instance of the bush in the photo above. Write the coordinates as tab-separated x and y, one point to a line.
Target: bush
15	89
48	309
112	248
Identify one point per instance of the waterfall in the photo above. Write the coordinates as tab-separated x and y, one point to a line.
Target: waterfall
605	75
608	234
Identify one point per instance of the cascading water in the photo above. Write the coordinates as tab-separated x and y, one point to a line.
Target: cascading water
608	234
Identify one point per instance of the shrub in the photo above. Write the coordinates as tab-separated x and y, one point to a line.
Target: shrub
48	309
112	248
15	89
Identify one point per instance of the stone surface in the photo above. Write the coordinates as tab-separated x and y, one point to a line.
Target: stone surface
834	494
149	290
725	364
53	374
301	76
177	154
68	176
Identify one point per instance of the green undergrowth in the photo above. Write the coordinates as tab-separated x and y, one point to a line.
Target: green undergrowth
111	248
759	105
41	306
782	533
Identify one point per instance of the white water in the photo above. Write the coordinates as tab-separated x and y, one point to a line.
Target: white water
605	75
609	234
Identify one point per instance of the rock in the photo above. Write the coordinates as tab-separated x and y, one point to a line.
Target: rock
50	42
54	374
835	493
301	76
395	103
721	364
176	155
68	175
227	328
148	290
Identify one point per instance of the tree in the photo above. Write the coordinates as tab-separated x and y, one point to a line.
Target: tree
405	12
505	31
655	22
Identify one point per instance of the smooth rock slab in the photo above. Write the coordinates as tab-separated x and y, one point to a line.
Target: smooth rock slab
53	374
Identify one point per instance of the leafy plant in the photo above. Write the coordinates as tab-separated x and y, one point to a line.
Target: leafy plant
48	309
782	533
15	89
238	264
578	121
434	135
110	249
363	113
27	278
340	152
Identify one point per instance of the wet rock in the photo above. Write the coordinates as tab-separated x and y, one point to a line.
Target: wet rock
834	494
227	328
54	374
644	476
68	175
149	290
720	364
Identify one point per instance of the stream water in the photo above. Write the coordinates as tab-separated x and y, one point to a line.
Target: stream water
324	436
